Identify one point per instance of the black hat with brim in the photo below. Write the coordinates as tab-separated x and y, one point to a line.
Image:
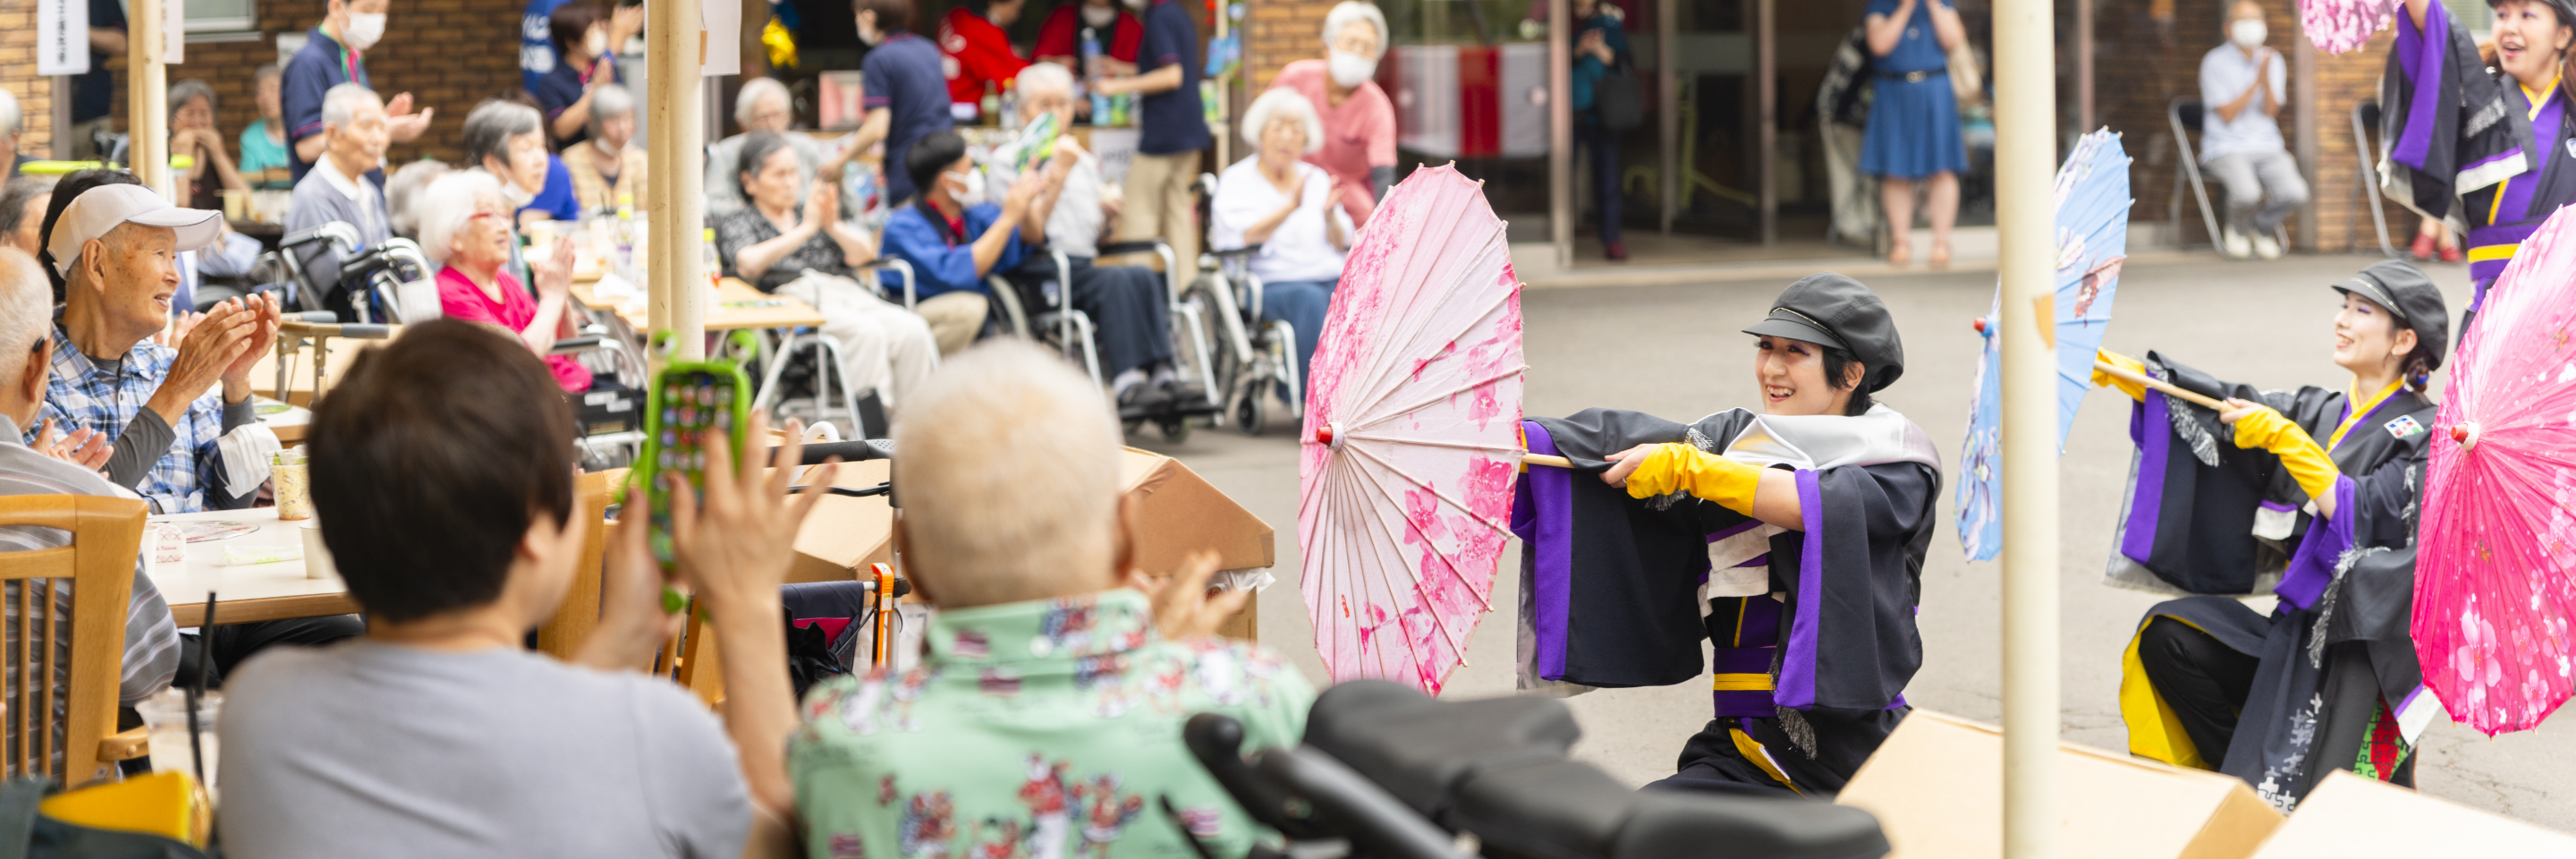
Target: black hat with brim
1833	310
2406	291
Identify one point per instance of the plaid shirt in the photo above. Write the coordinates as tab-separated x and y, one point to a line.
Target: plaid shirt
106	397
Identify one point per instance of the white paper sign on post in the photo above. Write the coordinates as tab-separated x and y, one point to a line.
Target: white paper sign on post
174	31
720	37
62	37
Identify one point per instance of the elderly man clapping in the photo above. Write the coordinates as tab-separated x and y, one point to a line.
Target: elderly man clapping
354	135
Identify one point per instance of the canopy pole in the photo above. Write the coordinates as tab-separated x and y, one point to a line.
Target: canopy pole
147	95
2084	56
1668	114
2025	153
1767	137
676	284
1560	130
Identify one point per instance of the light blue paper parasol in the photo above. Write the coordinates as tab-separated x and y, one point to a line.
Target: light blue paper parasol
2092	241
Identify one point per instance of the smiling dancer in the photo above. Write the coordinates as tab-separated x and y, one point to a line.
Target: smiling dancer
1792	538
2329	680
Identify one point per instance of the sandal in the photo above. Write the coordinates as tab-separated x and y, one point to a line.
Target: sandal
1901	254
1940	254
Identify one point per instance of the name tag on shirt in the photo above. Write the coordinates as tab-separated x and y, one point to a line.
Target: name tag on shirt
2571	147
2405	425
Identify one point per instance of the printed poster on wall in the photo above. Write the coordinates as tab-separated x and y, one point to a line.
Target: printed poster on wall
62	37
719	37
174	31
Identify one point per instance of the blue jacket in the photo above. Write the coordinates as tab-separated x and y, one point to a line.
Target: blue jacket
940	265
1589	68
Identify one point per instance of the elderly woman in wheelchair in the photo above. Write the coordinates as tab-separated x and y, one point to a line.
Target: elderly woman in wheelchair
465	229
1284	216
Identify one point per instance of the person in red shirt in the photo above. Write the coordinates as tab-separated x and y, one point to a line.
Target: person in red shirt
1060	38
973	50
1359	121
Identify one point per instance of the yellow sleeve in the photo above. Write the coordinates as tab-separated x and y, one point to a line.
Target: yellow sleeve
2267	429
2105	380
1683	468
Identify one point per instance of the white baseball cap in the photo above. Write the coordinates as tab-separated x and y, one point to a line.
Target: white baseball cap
99	210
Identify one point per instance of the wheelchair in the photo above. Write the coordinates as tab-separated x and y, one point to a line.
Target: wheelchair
800	370
1254	354
1037	308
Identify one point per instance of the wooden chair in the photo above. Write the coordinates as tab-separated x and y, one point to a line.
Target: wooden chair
99	562
573	621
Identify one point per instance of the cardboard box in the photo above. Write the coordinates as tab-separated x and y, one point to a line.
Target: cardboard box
1937	788
1178	512
2348	815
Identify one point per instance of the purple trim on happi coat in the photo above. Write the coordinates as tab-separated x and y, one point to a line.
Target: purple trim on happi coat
2138	535
1796	688
1547	532
2421	56
2312	569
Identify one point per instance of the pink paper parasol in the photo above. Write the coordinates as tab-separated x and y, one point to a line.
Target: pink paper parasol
1413	411
2341	26
2492	574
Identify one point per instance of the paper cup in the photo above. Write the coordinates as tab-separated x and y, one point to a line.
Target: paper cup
317	557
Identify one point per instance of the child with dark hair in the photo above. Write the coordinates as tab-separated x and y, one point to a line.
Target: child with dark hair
443	477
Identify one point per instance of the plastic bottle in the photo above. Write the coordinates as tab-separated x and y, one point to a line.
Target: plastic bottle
624	236
1010	107
707	258
991	106
1091	71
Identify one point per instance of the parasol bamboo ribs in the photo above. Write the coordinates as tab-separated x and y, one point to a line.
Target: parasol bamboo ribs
2161	385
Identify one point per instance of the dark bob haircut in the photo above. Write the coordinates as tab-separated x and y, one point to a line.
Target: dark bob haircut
929	156
429	460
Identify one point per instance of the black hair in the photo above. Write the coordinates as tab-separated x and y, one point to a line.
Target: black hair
430	459
756	149
2416	371
930	156
65	191
1838	363
570	24
893	16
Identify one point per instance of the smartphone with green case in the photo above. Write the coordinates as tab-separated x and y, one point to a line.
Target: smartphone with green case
685	401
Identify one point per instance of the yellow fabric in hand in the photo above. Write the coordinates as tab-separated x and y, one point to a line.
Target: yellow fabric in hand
1682	468
2266	429
2105	380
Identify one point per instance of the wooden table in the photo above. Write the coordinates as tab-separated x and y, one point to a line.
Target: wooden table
250	592
758	310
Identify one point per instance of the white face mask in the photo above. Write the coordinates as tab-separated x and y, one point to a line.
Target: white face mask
1349	69
364	30
971	191
519	197
596	43
1099	16
2248	33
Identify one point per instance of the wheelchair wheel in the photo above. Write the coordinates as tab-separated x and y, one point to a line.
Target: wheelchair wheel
1176	429
1252	413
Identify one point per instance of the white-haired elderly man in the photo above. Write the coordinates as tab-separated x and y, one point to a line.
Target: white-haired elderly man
1127	304
337	189
762	105
607	174
12	124
1359	121
151	653
1057	675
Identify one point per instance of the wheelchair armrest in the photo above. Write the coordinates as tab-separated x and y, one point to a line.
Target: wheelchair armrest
317	317
572	345
1146	246
1233	253
897	265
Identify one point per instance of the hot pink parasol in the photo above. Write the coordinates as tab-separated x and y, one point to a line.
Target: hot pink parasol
2341	26
1413	411
2498	541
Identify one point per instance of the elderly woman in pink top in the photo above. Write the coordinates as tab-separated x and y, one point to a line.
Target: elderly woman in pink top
465	229
1359	121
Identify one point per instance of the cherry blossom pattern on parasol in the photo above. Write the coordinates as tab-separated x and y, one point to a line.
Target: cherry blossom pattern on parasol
2342	26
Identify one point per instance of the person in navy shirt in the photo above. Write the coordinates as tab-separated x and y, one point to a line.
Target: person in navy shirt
585	59
905	93
94	93
951	235
1171	129
335	54
536	42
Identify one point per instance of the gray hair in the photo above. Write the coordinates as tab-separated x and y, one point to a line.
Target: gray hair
609	102
405	185
14	197
1045	77
1350	12
10	118
747	99
446	206
189	90
340	104
489	128
26	311
1282	102
266	71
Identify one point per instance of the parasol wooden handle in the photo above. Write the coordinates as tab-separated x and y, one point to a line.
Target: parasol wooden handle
1544	459
2159	384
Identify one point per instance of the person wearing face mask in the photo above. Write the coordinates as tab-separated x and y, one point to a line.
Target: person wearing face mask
334	53
1060	38
604	169
961	229
975	53
584	63
355	128
2494	181
2241	84
2317	503
903	92
1810	517
1359	121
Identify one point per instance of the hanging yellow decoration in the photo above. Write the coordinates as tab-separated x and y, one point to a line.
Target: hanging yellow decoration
781	44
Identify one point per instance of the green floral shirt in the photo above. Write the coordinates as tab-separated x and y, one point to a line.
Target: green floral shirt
1048	729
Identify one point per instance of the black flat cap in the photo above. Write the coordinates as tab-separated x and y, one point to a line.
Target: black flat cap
2405	291
1837	311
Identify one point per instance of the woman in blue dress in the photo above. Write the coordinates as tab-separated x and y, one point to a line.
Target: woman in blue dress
1913	135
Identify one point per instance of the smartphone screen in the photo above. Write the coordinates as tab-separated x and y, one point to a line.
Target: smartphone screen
687	405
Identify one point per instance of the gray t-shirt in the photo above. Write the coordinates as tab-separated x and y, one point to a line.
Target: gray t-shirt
370	749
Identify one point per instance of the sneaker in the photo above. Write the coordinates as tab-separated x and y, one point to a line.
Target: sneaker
2422	249
1616	251
1143	401
2267	247
2234	244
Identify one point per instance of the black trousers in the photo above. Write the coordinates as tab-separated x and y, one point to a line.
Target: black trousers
233	642
1125	303
2203	680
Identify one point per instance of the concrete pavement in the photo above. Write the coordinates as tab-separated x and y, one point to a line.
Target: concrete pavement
1676	351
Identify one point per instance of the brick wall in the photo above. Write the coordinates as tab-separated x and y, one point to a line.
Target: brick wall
1279	32
18	74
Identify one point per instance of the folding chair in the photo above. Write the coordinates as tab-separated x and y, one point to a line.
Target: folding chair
2184	116
98	567
2365	116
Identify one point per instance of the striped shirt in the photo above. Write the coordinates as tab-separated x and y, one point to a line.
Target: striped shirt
151	637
